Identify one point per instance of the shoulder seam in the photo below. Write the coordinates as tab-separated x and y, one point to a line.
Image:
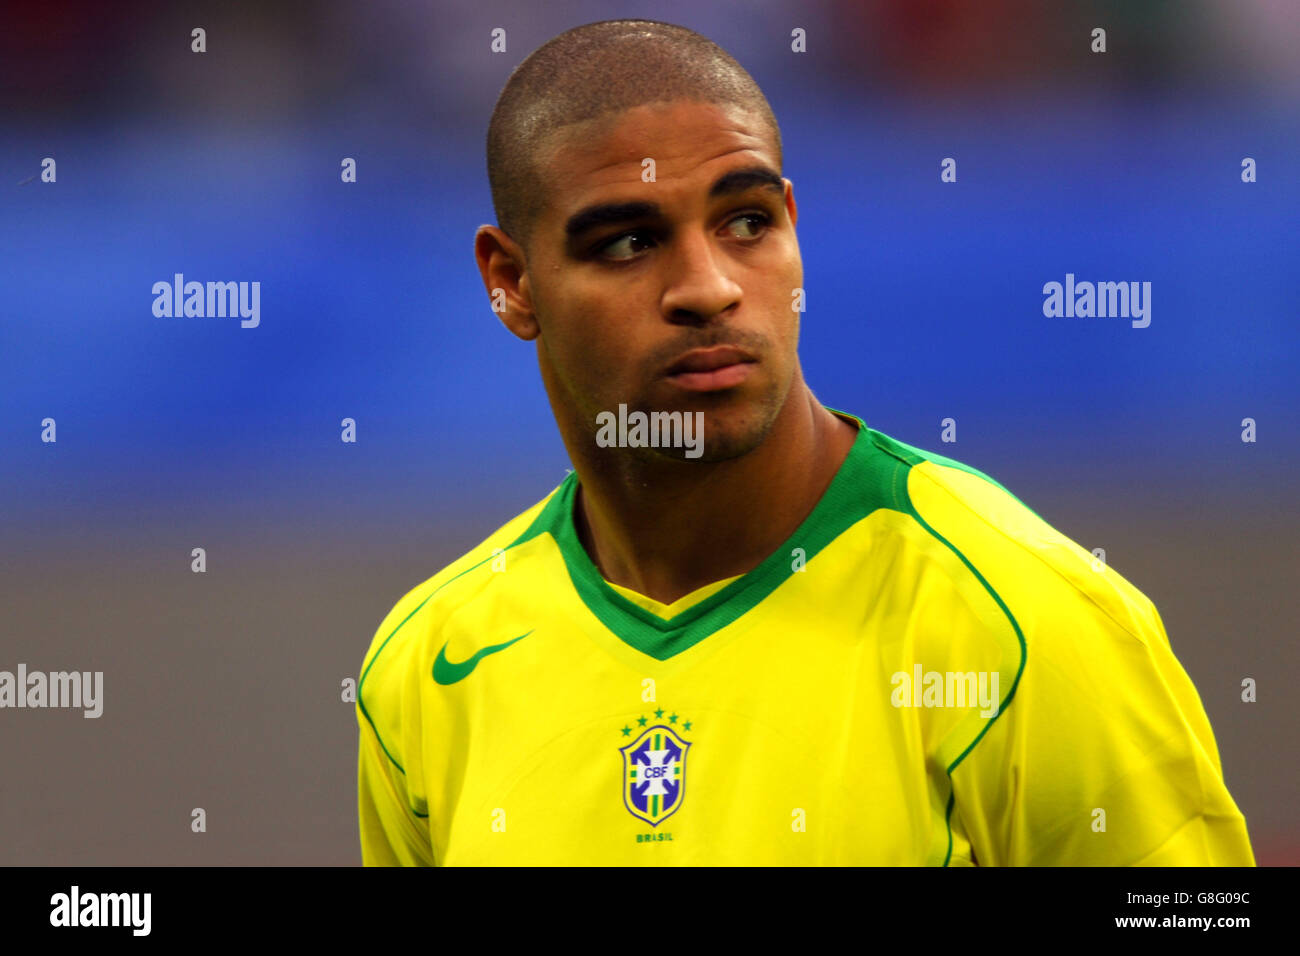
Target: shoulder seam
1035	555
519	539
934	458
1002	605
375	658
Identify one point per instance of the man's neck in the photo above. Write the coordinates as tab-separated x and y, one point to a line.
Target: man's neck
678	529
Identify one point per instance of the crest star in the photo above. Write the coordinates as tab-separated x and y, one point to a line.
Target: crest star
642	721
627	731
687	725
659	713
672	719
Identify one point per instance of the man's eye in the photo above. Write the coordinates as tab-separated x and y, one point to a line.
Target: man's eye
630	244
756	222
624	247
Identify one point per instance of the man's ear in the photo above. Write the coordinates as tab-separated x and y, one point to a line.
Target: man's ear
504	269
790	207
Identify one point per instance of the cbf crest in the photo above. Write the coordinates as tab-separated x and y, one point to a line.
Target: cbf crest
654	774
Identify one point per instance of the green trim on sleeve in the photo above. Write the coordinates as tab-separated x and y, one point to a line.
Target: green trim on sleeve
914	456
366	673
362	683
1002	708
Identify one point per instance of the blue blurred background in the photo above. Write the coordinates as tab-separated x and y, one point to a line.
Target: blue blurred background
924	302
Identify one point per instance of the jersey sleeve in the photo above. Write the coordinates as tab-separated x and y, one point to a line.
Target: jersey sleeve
1103	757
391	833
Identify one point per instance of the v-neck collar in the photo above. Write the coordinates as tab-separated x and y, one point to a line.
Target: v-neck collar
861	484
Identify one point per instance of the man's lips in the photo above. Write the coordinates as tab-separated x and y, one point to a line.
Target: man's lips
706	360
704	370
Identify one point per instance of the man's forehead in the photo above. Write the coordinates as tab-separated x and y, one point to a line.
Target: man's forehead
679	136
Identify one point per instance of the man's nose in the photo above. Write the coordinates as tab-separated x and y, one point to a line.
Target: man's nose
698	288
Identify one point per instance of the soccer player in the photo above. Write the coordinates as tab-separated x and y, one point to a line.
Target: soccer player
747	629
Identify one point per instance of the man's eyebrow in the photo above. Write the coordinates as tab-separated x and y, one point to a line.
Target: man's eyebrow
607	213
736	181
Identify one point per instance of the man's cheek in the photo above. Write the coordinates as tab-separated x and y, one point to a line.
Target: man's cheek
600	372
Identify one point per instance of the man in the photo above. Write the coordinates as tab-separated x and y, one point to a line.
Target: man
747	629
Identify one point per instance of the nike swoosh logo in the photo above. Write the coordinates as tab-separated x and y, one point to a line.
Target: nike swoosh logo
445	672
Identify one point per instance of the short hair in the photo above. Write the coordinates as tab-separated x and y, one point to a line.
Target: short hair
589	72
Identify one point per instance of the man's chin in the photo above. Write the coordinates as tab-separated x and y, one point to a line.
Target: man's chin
705	427
716	435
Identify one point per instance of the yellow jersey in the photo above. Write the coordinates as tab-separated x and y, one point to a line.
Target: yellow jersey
924	673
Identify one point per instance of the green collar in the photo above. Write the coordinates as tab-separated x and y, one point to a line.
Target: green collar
864	482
